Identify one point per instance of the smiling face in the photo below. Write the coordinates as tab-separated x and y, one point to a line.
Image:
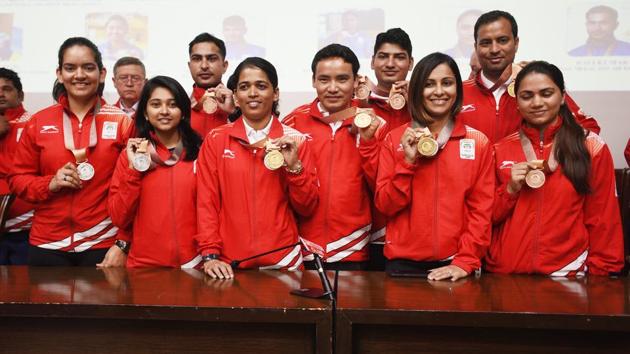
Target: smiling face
162	111
255	94
440	92
539	100
334	82
391	63
495	47
79	73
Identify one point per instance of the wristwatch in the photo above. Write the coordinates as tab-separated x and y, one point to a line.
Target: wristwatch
210	257
297	170
123	245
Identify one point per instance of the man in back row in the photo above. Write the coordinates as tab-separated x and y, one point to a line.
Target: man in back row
489	102
129	78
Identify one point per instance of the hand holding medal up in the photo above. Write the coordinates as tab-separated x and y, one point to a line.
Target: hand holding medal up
362	92
397	95
530	173
281	152
66	177
367	123
138	154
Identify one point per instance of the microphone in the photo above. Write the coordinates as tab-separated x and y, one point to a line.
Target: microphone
235	263
318	252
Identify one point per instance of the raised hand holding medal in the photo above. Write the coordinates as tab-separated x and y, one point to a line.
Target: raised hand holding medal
141	159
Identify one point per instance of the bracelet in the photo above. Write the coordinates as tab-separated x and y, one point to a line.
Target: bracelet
297	170
210	257
123	245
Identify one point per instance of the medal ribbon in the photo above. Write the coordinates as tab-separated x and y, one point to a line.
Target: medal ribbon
172	160
443	136
530	153
80	154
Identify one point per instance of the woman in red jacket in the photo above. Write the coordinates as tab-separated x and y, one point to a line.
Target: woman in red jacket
65	160
555	212
246	196
435	180
154	188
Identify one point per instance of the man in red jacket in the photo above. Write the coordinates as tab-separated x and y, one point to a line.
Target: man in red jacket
211	101
489	103
391	62
342	221
13	118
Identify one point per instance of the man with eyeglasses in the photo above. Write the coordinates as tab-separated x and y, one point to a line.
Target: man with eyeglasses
129	78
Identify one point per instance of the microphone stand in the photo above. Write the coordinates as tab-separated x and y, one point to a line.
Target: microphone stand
315	293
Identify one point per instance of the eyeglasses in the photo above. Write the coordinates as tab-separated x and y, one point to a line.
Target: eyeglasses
134	78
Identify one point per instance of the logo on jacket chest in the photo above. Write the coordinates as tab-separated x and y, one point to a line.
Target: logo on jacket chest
468	108
228	154
49	129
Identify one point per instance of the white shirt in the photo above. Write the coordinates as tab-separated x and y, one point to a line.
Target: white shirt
129	111
499	91
253	135
334	125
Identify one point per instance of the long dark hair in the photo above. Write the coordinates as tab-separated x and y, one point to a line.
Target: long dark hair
58	88
570	144
258	63
419	77
190	138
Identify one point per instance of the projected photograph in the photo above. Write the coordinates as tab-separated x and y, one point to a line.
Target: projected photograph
464	28
356	29
118	35
10	39
237	46
603	37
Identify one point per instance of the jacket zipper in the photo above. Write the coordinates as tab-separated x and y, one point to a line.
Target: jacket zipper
539	207
436	240
330	168
253	208
72	229
175	239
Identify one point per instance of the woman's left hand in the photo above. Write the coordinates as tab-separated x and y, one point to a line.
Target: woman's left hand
451	272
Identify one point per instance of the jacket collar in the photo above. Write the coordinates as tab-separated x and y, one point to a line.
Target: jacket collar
238	131
14	113
547	134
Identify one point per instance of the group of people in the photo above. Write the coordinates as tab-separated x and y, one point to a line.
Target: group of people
501	172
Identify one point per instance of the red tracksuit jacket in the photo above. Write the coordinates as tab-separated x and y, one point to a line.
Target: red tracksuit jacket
440	207
160	207
20	214
394	119
245	209
480	111
553	229
341	223
201	121
69	220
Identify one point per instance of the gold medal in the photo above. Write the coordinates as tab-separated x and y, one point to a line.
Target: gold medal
397	101
510	89
362	120
273	160
210	104
427	146
535	178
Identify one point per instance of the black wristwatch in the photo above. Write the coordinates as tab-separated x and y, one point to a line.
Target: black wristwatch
209	257
123	245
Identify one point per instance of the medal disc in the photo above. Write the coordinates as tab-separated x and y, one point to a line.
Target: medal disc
535	178
86	171
362	120
510	89
210	105
427	146
273	160
362	92
141	162
397	101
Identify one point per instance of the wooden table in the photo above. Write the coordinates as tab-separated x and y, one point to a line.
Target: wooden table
85	310
490	314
